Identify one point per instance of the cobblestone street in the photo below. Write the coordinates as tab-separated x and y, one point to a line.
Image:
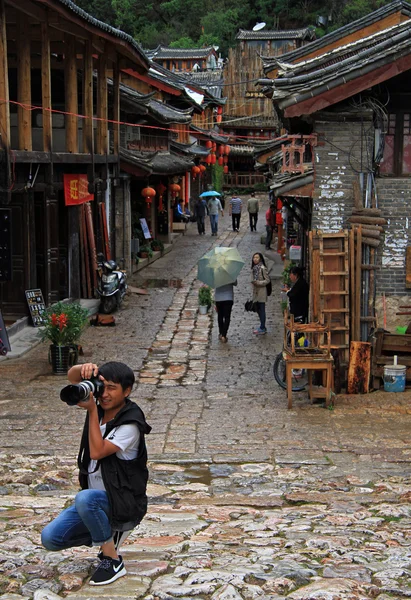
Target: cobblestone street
246	498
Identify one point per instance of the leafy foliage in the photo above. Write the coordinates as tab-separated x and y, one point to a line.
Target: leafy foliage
63	323
197	23
205	296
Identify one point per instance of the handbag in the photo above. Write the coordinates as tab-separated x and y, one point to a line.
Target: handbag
250	306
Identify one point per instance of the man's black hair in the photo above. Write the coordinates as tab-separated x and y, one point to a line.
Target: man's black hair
252	193
297	271
262	260
118	372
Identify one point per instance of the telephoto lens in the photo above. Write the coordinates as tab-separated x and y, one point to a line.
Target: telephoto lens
79	392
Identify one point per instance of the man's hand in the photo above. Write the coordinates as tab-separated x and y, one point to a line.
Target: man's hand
89	404
88	370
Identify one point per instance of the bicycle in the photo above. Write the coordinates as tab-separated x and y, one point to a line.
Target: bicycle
299	376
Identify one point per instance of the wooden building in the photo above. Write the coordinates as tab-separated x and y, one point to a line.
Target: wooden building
185	60
248	114
54	66
344	101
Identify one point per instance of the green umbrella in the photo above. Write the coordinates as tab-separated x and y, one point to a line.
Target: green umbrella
220	266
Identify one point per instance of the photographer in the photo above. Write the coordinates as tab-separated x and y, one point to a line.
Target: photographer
113	468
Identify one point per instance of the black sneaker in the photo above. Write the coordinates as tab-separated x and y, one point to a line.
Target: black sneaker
108	571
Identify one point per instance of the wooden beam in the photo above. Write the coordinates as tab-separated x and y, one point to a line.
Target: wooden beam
70	80
24	83
102	125
116	108
4	82
46	88
88	99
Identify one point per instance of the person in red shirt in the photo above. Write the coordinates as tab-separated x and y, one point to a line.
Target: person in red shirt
269	225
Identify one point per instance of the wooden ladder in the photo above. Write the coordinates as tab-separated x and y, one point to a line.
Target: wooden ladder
334	289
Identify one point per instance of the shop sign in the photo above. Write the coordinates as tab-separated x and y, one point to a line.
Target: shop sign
76	190
145	229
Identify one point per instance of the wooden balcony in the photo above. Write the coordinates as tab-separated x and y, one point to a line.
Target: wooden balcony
242	180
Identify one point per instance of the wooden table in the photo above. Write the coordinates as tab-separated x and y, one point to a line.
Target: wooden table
310	363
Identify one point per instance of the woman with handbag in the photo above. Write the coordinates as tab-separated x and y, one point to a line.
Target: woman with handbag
259	280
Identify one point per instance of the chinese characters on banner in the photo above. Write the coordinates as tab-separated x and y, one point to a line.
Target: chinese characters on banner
76	190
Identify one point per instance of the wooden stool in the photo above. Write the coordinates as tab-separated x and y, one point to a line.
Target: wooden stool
310	363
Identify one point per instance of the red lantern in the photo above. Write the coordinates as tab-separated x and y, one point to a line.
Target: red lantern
209	144
219	118
214	148
225	159
195	171
227	150
220	161
225	169
219	110
174	189
148	194
202	168
221	150
208	159
213	159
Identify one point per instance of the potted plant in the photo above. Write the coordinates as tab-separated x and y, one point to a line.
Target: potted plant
157	245
145	251
63	325
205	298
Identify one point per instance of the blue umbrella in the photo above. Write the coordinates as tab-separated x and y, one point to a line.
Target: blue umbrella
209	193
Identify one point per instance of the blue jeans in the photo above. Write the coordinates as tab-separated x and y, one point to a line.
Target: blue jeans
214	223
261	314
85	523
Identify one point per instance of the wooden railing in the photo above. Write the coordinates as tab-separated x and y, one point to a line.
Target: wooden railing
239	180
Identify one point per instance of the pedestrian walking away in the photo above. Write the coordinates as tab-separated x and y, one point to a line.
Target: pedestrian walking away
236	206
298	294
112	468
224	300
200	212
214	207
259	280
270	225
253	207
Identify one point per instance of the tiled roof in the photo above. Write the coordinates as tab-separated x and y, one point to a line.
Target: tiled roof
210	134
307	33
337	67
193	149
117	33
164	53
160	163
350	28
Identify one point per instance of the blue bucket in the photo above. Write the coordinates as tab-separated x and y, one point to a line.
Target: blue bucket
394	378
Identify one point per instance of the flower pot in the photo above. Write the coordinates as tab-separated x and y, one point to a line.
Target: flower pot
203	309
143	254
62	358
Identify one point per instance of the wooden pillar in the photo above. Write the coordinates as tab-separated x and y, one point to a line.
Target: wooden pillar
71	89
46	88
4	82
88	133
24	82
74	251
116	109
102	125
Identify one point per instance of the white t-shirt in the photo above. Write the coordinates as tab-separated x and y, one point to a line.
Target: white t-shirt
127	438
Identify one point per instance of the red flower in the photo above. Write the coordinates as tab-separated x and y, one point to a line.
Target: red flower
54	319
62	321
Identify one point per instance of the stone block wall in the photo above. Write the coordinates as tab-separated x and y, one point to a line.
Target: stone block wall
394	199
344	150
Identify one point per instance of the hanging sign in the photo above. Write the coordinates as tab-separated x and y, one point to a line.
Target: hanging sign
76	190
145	229
37	306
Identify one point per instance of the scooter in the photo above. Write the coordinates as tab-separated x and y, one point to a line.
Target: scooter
111	286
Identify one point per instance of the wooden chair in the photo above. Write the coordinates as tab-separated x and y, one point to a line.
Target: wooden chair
316	356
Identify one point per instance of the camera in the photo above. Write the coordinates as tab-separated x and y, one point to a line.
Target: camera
79	392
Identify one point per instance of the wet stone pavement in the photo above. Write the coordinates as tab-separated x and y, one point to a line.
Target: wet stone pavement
246	498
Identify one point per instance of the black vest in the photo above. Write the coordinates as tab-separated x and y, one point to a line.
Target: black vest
125	480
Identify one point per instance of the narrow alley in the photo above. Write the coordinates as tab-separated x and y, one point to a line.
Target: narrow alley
246	498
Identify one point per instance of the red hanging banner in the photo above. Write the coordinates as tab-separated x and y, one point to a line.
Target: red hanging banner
76	190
